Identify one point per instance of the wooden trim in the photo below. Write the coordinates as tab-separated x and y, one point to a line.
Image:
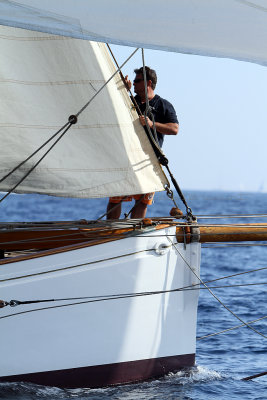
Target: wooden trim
223	233
114	234
237	233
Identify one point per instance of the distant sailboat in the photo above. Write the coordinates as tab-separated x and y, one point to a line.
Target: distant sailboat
261	188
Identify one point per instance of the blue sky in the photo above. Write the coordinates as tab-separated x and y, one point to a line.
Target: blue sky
221	105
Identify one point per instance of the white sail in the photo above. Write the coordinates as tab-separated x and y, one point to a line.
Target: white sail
46	78
221	28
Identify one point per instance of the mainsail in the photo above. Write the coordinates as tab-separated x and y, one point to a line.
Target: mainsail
46	78
220	28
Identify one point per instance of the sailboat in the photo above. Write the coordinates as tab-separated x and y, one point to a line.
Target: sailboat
95	303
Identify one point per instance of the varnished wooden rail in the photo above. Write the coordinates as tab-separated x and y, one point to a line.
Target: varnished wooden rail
222	233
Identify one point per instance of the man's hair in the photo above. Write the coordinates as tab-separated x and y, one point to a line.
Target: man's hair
150	75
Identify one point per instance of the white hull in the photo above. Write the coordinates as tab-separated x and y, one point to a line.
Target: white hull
85	334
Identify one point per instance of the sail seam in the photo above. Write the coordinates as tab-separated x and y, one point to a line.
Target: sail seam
79	82
35	38
74	170
95	126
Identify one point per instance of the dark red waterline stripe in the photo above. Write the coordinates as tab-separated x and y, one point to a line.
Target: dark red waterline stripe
105	375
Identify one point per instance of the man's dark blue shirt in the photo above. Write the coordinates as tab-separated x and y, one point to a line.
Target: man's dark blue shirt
162	110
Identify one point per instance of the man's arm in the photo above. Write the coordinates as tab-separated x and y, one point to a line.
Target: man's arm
170	128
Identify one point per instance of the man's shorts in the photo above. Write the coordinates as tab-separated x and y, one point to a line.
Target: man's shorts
145	198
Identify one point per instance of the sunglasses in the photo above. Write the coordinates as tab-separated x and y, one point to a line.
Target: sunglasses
138	80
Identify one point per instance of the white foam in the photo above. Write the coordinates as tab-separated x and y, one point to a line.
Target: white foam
196	374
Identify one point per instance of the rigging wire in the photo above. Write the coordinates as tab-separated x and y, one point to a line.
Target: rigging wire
105	84
230	286
222	216
14	303
136	106
213	245
93	299
168	219
237	274
158	151
69	124
33	154
230	329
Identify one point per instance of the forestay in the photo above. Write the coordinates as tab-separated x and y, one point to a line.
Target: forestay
220	28
46	78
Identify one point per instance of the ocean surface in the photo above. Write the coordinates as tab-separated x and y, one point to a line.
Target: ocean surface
222	360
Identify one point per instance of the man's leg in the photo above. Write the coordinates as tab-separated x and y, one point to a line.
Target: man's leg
139	210
113	210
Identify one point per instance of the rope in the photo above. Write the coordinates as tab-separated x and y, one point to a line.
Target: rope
152	136
219	216
227	308
14	303
93	299
212	245
68	125
136	106
68	224
177	187
236	225
76	266
105	84
231	329
239	273
169	219
229	286
33	154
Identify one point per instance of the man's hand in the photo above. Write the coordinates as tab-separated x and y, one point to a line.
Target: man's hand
128	83
143	119
170	128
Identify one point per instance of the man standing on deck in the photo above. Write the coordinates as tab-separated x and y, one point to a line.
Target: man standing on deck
166	123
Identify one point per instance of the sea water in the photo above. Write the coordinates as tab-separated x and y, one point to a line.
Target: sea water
222	360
